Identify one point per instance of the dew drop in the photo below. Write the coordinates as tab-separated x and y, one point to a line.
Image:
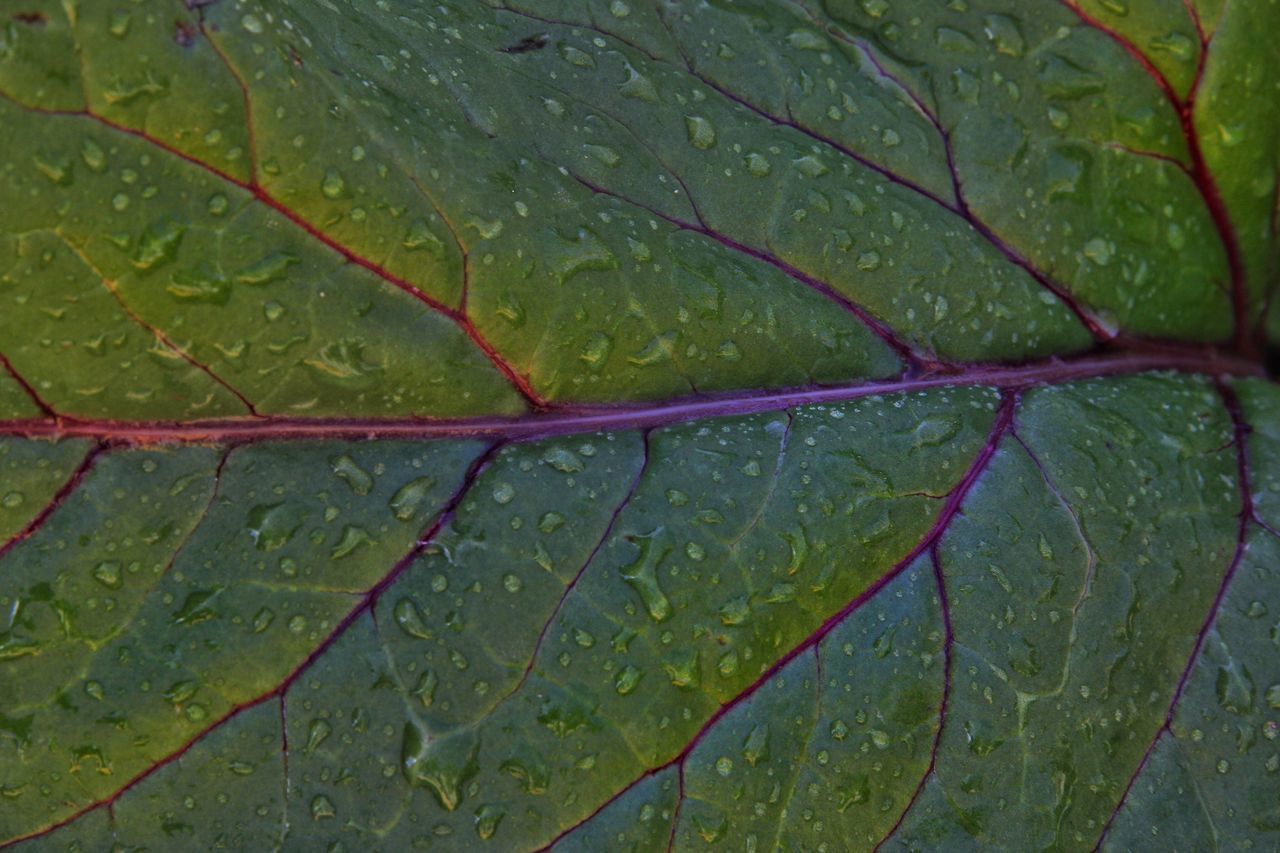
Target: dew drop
405	502
488	817
626	680
333	186
701	133
409	618
317	732
322	807
108	574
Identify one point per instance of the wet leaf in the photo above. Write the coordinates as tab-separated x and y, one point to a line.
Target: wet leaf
617	425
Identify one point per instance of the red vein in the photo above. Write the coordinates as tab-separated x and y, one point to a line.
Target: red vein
204	514
572	585
959	208
1201	176
1151	155
159	335
948	644
457	316
1247	515
878	328
251	141
27	387
568	420
675	813
54	503
367	601
1000	426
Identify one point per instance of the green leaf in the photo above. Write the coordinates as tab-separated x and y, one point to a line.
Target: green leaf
596	424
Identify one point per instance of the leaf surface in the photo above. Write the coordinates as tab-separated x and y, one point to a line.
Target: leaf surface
615	425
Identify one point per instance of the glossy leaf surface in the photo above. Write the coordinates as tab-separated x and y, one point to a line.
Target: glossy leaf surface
613	425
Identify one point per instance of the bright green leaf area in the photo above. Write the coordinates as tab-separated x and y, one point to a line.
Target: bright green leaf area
614	425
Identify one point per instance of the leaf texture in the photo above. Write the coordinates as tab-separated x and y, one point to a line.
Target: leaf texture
583	425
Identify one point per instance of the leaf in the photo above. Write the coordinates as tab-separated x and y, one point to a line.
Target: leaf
773	425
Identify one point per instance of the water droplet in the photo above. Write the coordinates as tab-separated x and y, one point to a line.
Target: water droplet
736	611
420	237
728	664
405	502
263	619
758	165
252	24
1099	251
686	670
271	526
1235	689
488	229
512	583
638	86
108	574
711	824
12	500
333	186
1175	44
118	23
352	474
1062	78
409	618
442	765
642	574
503	493
806	40
316	734
158	244
701	134
217	204
562	459
343	363
756	746
94	690
425	689
809	166
94	157
199	285
56	169
626	680
604	154
935	431
1005	34
196	607
322	807
574	56
488	817
352	538
273	267
595	352
1231	135
580	252
180	691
